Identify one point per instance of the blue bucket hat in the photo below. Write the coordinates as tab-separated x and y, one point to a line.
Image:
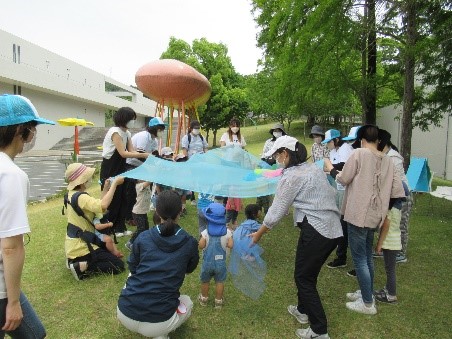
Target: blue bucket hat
16	109
215	214
156	122
330	135
352	134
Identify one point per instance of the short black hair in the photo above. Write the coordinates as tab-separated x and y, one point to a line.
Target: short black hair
251	211
123	115
384	138
7	133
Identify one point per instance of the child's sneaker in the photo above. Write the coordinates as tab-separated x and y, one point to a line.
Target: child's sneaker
336	263
128	245
76	271
202	300
383	296
354	295
128	233
351	273
359	306
193	203
306	333
400	258
219	303
301	317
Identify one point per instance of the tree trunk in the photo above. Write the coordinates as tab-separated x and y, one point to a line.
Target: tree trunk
371	95
409	10
214	143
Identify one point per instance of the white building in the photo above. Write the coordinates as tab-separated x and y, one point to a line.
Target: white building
435	145
60	88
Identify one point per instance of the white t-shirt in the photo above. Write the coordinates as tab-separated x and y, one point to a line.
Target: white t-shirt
142	141
108	145
224	239
197	145
143	202
14	190
235	141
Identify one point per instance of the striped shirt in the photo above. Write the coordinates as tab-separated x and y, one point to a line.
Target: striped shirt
306	188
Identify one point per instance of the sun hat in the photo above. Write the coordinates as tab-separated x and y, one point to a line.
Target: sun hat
77	174
278	126
330	135
352	134
16	109
156	122
167	150
215	214
316	129
282	142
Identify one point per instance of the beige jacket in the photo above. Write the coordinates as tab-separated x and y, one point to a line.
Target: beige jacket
371	180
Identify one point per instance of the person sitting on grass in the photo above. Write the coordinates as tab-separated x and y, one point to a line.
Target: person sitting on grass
101	224
214	242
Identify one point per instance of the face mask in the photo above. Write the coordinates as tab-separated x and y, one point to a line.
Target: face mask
195	131
318	140
29	145
131	124
159	134
235	129
277	134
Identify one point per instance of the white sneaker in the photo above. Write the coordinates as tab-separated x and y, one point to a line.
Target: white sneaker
354	295
360	307
127	233
305	333
301	317
193	203
119	234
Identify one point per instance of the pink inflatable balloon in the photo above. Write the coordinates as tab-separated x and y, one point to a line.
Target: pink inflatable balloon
173	82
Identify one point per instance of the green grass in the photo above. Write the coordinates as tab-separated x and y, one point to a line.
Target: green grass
87	309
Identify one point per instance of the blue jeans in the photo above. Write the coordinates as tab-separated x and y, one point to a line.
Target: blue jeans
30	327
360	240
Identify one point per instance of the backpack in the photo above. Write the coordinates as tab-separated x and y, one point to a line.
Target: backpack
189	139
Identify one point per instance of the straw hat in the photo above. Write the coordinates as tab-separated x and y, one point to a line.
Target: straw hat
77	174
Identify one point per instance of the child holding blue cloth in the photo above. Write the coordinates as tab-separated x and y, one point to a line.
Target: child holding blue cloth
214	242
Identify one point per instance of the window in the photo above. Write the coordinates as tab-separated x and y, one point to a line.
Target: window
14	52
18	54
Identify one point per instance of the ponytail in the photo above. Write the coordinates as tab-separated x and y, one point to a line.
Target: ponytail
168	207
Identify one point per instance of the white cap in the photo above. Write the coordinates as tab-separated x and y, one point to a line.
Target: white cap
167	151
282	142
352	134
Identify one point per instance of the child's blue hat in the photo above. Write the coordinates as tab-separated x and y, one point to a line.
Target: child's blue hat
215	214
156	122
16	109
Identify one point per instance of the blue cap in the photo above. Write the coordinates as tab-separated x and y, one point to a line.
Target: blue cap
352	134
330	135
16	109
156	122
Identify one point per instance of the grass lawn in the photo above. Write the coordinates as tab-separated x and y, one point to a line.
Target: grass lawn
87	309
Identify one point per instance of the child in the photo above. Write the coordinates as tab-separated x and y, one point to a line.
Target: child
214	242
141	209
101	223
250	225
233	207
204	200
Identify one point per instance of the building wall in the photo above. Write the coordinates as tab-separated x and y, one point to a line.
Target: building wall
61	88
435	145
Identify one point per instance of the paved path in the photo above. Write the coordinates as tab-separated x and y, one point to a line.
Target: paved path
46	169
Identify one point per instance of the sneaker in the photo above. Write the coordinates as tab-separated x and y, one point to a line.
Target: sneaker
128	233
351	273
336	263
301	317
401	258
359	306
308	333
202	300
119	234
128	245
377	254
354	295
193	203
219	303
67	264
383	296
76	272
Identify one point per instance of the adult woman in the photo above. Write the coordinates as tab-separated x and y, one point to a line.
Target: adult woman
370	180
150	303
117	146
194	142
318	150
18	120
305	186
85	253
233	135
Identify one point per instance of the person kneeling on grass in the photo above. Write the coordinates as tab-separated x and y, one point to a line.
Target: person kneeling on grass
150	302
85	252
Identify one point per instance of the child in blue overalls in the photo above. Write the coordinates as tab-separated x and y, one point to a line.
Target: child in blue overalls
215	240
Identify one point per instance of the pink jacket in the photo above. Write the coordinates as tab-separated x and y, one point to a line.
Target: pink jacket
234	204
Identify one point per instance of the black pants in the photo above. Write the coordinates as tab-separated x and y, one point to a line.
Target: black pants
312	251
142	222
131	193
342	242
105	262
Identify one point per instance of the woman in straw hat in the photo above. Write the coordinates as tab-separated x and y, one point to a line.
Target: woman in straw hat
85	252
18	121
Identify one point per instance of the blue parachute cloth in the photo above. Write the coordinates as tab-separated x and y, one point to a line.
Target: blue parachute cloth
246	266
227	171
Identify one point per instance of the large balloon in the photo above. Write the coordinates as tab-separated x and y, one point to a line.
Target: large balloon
173	83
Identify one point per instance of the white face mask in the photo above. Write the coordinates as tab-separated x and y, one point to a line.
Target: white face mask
29	145
318	140
195	131
159	134
235	129
130	124
277	134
